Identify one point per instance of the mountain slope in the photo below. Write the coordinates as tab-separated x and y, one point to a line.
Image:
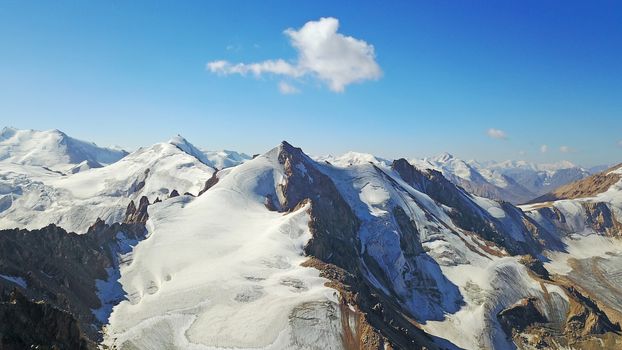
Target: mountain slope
284	251
53	149
306	254
591	205
32	197
238	267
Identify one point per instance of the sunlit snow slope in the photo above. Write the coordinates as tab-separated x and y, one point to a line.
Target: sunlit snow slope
33	197
223	271
53	149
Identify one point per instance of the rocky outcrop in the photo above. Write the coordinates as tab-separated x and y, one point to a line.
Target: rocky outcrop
60	269
586	318
535	266
211	182
137	215
37	325
583	325
410	242
601	219
521	315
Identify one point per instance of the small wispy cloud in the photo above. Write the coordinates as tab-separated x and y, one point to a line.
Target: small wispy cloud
544	148
287	89
497	134
565	149
620	143
323	53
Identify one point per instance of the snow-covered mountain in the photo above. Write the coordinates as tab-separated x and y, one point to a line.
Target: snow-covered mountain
352	158
409	258
53	149
513	181
33	197
285	251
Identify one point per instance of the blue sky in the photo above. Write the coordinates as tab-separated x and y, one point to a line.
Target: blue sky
134	73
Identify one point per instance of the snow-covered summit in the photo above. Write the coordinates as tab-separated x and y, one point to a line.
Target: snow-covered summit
443	157
216	159
53	149
183	144
352	158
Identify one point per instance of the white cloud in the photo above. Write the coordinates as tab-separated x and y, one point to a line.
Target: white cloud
497	134
257	69
544	148
620	143
565	149
335	59
287	89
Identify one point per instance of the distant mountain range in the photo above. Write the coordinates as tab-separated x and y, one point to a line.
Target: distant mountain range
172	246
513	181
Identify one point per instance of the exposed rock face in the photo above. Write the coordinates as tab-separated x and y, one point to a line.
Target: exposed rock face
409	239
588	187
582	325
210	182
60	270
27	324
58	266
602	219
586	318
333	224
521	315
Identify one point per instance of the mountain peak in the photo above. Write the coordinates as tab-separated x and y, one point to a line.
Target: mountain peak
178	139
444	157
7	132
58	132
288	147
187	147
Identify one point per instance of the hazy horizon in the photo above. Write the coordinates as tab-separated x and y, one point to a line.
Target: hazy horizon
487	81
276	143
